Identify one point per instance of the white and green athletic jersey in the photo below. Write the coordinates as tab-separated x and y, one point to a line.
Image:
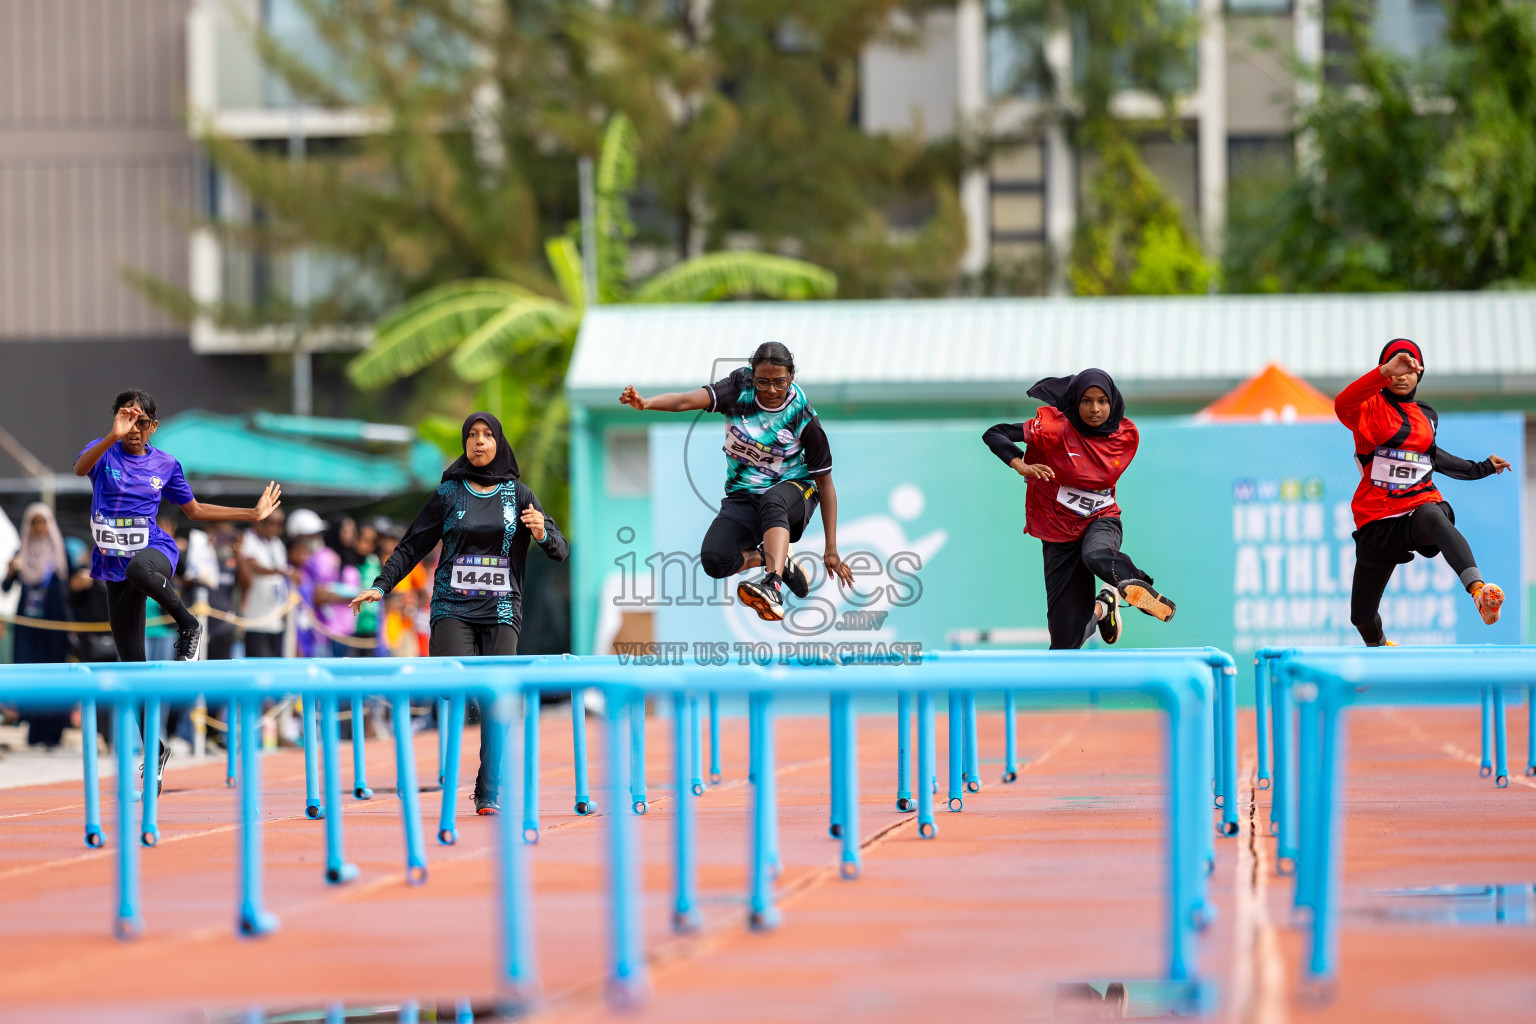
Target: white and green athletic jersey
763	446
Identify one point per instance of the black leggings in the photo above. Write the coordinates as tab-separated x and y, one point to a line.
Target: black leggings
1392	543
455	638
149	574
1070	568
744	518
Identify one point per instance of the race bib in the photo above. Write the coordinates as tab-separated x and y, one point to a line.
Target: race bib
741	447
1084	503
120	537
1395	470
481	575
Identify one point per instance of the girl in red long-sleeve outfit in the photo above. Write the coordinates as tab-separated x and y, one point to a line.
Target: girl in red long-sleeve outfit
1397	509
1078	444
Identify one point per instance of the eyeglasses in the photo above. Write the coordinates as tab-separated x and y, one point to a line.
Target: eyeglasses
765	384
143	424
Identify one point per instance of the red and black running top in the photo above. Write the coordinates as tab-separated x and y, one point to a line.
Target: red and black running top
1086	468
1395	446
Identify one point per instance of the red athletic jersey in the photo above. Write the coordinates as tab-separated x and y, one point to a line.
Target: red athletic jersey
1394	449
1086	469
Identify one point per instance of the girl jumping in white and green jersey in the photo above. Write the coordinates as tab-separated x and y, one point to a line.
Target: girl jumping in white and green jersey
778	468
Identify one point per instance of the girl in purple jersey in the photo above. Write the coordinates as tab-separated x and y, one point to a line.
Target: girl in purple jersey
132	554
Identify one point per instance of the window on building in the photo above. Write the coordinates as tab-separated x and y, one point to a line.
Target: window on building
627	464
1258	6
1015	54
1016	210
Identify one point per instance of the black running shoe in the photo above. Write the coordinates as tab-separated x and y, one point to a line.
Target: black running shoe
165	755
1140	594
186	643
486	805
1109	625
763	596
794	577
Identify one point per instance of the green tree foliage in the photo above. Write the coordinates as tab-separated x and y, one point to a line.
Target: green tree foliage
1131	237
515	344
1418	174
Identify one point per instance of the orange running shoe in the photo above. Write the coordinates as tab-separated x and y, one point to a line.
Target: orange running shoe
1139	593
1489	599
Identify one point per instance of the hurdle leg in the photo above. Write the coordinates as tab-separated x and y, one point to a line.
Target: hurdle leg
1228	687
764	915
1282	807
1183	844
1500	740
231	744
128	924
637	756
584	804
337	870
1485	767
93	834
626	982
848	725
1261	718
149	834
312	806
1327	825
1306	803
696	745
1010	737
835	735
519	975
448	825
410	795
903	751
1530	731
714	739
972	775
927	828
443	717
254	919
531	766
1218	744
685	909
359	738
754	719
956	750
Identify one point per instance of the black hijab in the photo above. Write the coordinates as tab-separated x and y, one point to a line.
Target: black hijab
1066	392
501	469
1391	349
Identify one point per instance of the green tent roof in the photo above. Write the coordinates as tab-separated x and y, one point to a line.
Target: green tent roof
210	445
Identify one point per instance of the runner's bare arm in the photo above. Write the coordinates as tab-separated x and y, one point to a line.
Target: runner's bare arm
122	422
672	401
201	513
826	494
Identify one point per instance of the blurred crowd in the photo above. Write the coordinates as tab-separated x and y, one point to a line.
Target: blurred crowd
278	588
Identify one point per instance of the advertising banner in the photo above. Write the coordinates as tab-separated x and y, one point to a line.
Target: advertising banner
1245	526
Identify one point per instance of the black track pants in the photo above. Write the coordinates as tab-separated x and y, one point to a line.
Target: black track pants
1070	568
1383	545
455	638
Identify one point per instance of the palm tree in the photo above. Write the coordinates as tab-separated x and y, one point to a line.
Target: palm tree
517	343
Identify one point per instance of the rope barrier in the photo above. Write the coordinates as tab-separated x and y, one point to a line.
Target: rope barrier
201	608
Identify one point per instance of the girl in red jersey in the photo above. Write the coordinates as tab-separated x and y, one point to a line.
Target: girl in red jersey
1397	509
1078	444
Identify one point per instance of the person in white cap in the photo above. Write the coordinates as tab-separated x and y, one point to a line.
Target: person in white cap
320	585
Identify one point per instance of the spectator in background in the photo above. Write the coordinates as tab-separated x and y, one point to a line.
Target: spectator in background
42	570
87	603
341	537
264	576
366	625
323	585
221	596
